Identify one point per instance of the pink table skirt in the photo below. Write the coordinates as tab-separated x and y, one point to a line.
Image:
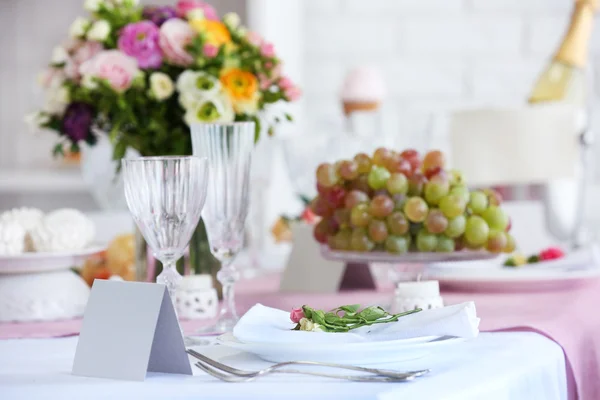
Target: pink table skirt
567	316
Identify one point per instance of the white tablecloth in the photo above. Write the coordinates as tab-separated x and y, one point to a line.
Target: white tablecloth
495	366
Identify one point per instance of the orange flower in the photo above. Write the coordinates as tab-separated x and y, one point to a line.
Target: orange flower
242	89
216	32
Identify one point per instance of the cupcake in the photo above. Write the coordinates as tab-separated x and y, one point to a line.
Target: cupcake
63	230
363	90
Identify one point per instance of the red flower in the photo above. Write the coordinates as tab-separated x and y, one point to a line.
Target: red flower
551	253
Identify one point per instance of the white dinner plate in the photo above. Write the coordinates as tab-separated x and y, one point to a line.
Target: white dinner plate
362	353
576	269
46	261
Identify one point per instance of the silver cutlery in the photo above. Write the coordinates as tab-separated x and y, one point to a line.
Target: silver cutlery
238	379
276	368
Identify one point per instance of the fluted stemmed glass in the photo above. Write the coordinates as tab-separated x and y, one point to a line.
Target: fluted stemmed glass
228	148
165	196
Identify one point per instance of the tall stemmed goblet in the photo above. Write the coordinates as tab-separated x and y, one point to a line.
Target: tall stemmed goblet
165	195
228	148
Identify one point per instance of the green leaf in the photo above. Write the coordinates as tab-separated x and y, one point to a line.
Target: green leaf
289	117
350	309
58	150
372	313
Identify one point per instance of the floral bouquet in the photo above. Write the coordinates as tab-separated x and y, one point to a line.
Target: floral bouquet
144	74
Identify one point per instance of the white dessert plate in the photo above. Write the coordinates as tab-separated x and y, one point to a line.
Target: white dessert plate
575	269
364	353
408	258
46	261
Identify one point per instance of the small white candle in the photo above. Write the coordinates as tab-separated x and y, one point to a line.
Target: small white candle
422	289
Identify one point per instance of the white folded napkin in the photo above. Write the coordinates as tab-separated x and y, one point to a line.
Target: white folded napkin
269	325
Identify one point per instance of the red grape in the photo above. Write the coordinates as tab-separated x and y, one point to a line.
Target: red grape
335	196
378	231
494	198
496	241
327	175
401	166
381	206
363	162
355	197
412	156
432	171
324	228
342	217
433	159
381	156
348	170
321	207
361	184
436	222
416	184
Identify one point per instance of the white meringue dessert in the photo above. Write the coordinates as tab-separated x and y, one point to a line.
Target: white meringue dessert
12	238
63	230
27	217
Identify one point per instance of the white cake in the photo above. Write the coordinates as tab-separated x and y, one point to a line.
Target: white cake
63	230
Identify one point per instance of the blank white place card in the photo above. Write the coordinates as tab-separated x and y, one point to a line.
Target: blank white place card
129	328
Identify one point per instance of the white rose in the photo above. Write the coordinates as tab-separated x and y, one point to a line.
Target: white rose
99	31
92	5
161	85
231	19
56	100
195	14
78	27
214	109
59	55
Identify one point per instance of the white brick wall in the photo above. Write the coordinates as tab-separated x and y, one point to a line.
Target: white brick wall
436	55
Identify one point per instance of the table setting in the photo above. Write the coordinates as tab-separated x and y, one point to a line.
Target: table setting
410	273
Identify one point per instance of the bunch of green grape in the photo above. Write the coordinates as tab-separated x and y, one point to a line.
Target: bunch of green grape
400	202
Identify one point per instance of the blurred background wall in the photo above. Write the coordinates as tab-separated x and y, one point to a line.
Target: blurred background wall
436	55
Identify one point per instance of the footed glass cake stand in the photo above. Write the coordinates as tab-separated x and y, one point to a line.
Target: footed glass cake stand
407	267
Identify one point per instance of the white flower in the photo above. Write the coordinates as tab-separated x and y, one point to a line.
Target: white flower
92	5
78	27
59	55
211	109
161	85
309	326
99	31
196	86
195	14
242	31
36	119
89	82
56	100
231	19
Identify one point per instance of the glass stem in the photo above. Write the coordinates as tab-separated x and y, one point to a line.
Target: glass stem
170	278
228	276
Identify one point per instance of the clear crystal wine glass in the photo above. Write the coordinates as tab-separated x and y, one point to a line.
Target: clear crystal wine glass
228	148
165	196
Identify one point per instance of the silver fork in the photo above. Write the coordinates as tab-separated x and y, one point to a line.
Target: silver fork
276	368
237	379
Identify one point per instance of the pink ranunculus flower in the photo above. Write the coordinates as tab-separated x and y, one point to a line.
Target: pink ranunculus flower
210	50
254	39
267	50
285	83
140	41
80	52
264	82
296	315
185	6
293	93
117	68
175	34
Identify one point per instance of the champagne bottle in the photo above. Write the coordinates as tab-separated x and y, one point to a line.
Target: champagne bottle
564	79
